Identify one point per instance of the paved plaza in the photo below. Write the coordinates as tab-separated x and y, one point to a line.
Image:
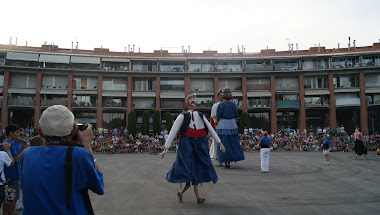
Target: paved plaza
297	183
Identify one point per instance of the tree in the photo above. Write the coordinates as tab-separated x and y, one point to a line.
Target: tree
244	122
132	123
145	122
169	121
156	122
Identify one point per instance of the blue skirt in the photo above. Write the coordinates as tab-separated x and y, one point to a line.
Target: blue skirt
193	163
228	134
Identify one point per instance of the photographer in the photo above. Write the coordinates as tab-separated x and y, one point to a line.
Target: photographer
44	169
12	173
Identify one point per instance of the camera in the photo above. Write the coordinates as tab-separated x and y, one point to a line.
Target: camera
82	127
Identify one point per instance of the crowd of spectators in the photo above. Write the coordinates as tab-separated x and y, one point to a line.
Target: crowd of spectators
119	141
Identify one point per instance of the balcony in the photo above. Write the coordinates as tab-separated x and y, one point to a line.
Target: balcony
317	104
258	67
259	103
290	87
172	104
287	103
84	104
21	102
50	102
144	105
114	104
258	87
348	102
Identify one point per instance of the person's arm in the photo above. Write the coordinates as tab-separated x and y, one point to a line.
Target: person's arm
24	145
214	135
6	147
173	132
85	137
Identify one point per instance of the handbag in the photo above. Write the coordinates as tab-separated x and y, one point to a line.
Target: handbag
9	191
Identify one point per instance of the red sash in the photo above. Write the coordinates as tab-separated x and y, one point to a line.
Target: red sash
195	133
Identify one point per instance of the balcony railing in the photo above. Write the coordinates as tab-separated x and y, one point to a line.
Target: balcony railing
286	87
172	104
50	102
146	105
258	86
204	105
258	104
287	103
258	67
317	104
21	101
348	102
84	104
109	104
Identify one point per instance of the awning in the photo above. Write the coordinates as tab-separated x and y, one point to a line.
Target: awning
85	92
22	91
316	92
144	94
115	59
259	94
372	91
22	56
54	92
114	94
346	90
82	59
172	95
237	94
54	58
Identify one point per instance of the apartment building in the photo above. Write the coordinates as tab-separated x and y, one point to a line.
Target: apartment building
318	87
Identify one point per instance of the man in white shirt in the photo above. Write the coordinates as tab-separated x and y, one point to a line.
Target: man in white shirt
6	159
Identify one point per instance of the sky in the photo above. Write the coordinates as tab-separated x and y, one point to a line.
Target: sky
201	24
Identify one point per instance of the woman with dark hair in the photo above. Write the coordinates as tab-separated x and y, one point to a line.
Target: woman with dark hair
360	147
227	130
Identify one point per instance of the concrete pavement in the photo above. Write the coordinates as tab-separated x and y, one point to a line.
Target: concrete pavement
297	183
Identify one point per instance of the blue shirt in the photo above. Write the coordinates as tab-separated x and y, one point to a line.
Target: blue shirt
43	180
13	172
326	144
227	110
265	141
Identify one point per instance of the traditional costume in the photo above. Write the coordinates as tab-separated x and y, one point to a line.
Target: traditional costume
213	147
227	130
193	163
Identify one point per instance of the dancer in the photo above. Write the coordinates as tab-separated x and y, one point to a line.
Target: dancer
264	152
213	148
359	144
227	130
193	163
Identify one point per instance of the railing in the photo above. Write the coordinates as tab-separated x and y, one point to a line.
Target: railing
348	102
287	103
146	105
84	104
286	87
172	104
204	105
50	102
317	104
258	103
258	67
114	104
258	86
21	101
